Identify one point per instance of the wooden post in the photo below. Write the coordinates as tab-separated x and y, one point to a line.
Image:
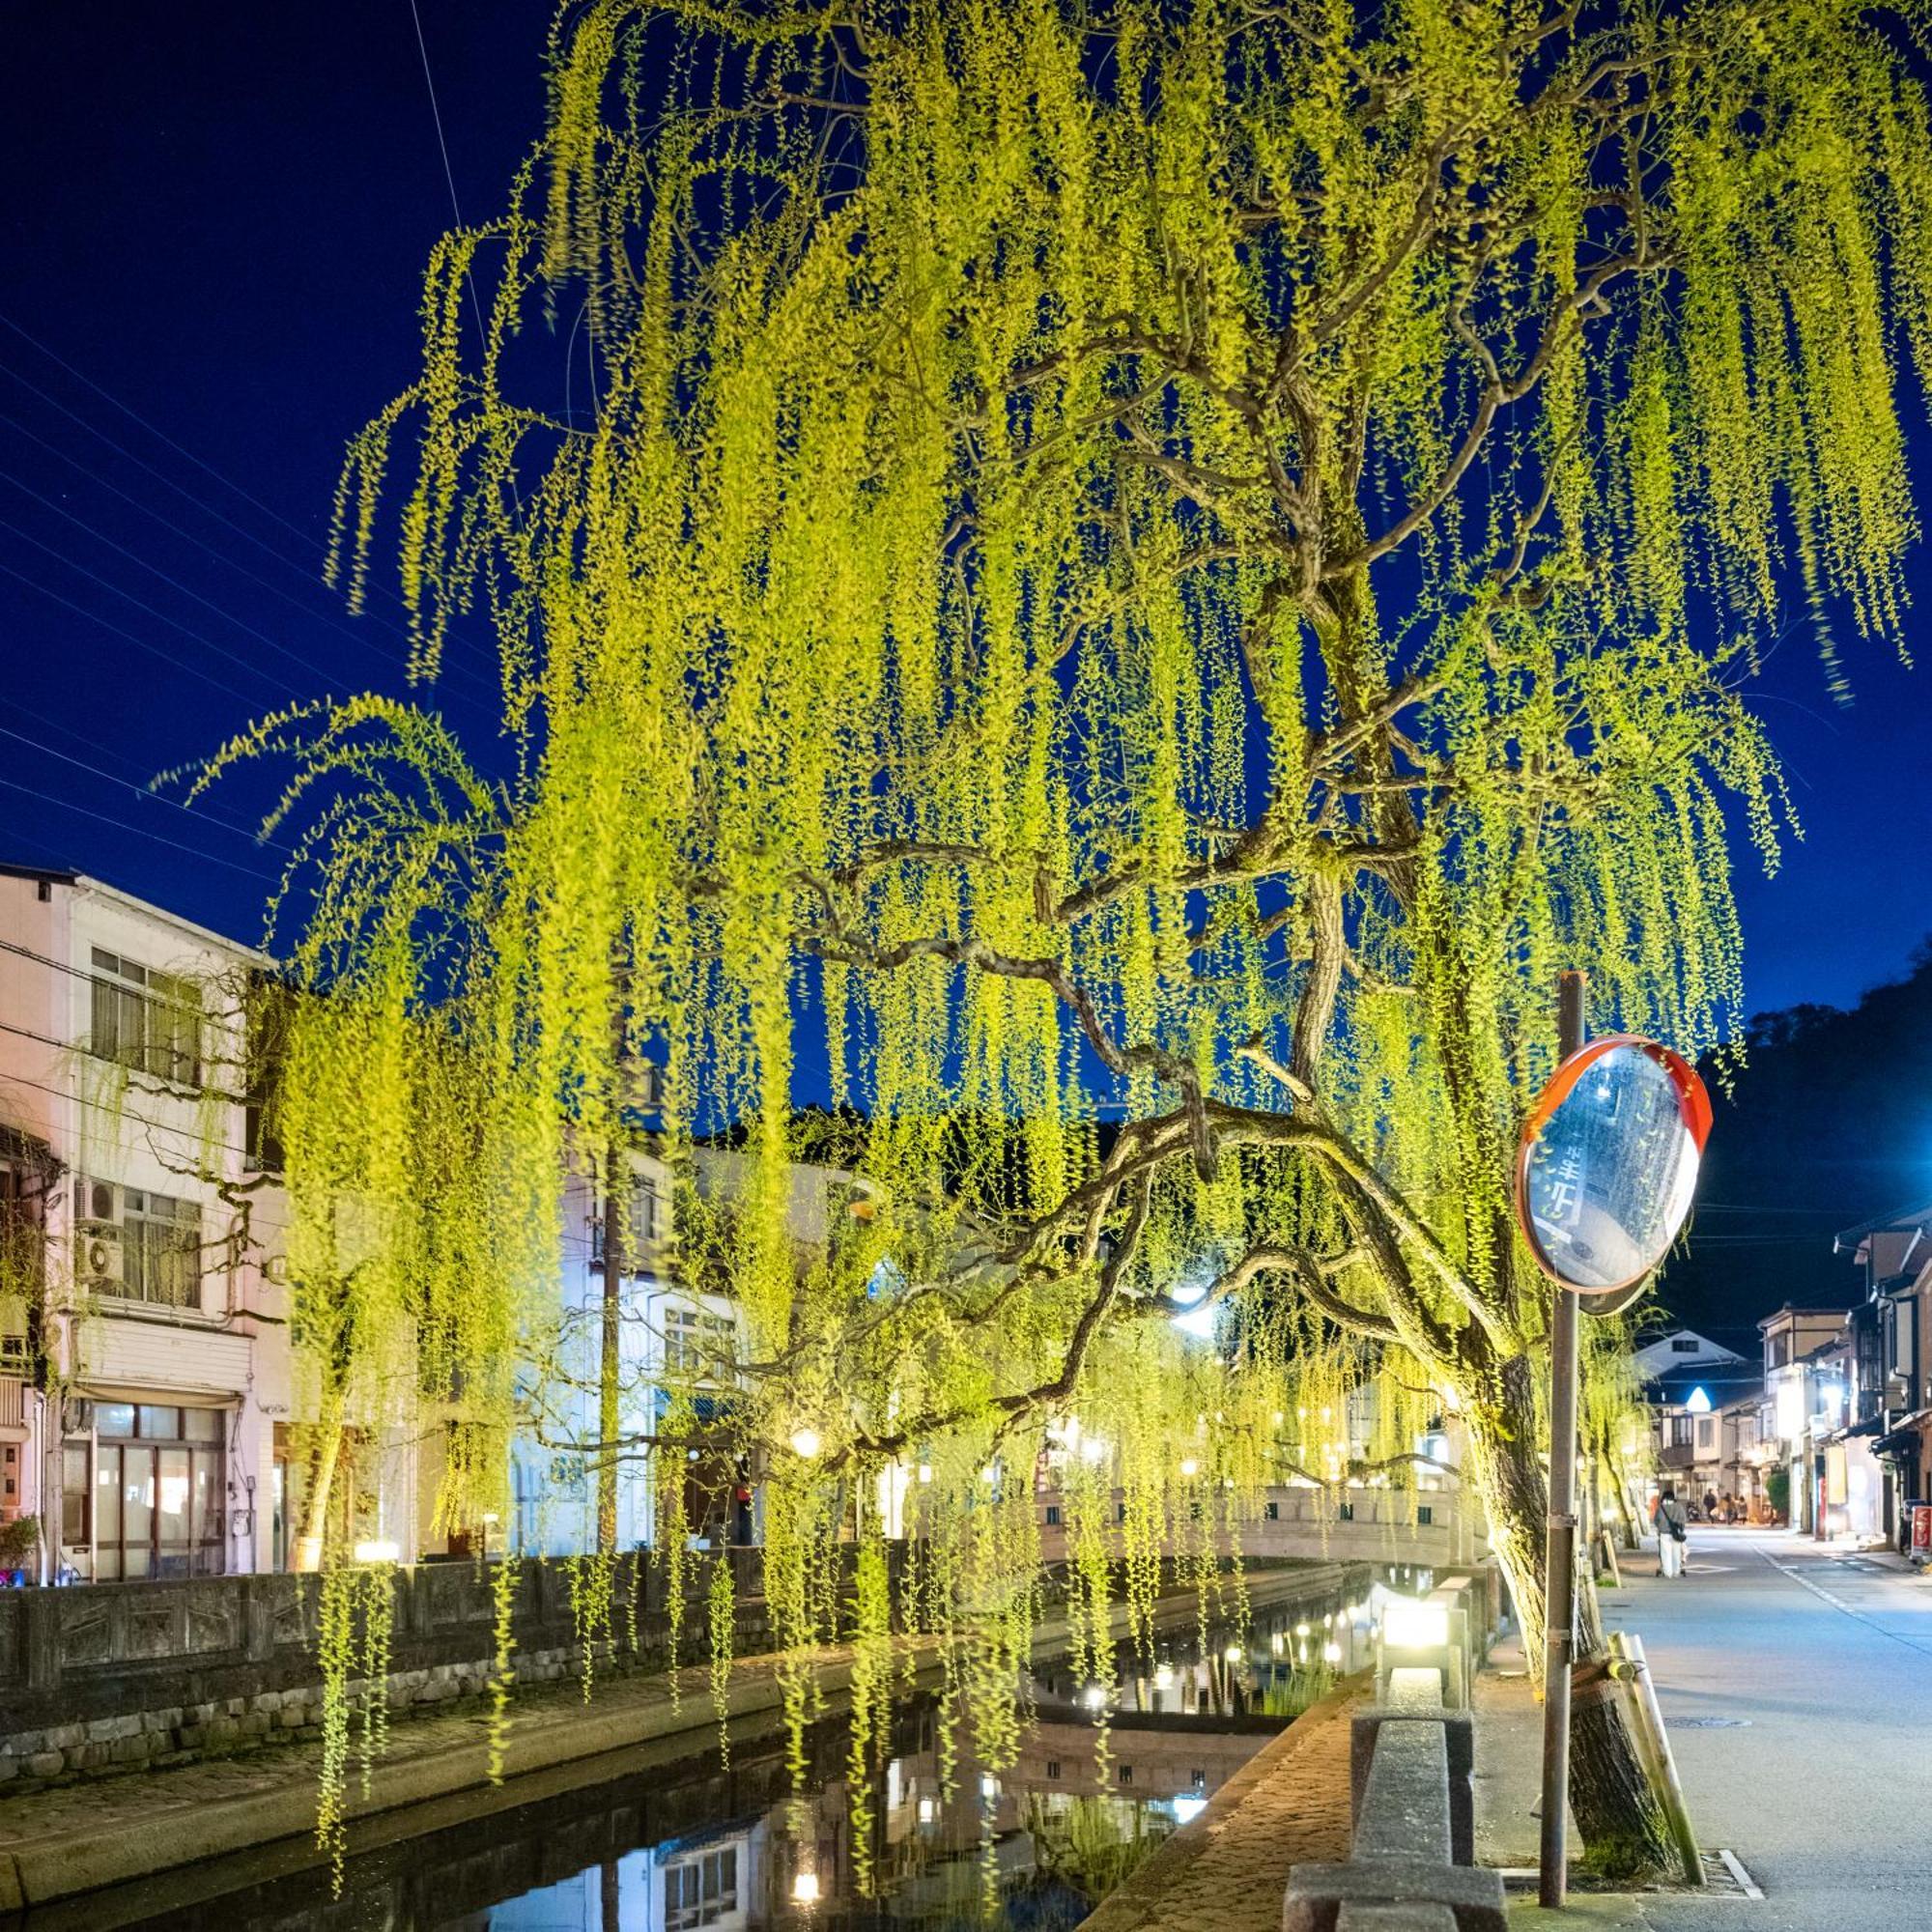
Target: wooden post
1634	1667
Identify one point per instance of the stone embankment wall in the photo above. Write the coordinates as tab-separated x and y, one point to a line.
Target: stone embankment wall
109	1676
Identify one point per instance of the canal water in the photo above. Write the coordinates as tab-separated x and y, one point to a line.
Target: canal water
1104	1775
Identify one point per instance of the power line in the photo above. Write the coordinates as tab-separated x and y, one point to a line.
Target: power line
173	583
160	434
144	784
143	791
148	609
140	643
456	209
233	563
140	832
448	173
122	1113
160	476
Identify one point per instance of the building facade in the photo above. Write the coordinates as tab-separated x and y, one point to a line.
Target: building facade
1893	1425
145	1386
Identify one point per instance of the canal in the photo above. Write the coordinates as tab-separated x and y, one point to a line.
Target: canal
679	1842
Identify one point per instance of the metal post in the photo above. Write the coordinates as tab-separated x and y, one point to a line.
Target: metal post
1559	1589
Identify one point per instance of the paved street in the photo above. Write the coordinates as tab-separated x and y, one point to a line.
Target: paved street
1798	1689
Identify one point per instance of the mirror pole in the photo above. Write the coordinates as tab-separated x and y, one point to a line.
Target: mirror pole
1559	1589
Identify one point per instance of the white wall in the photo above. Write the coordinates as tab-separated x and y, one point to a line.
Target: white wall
215	1351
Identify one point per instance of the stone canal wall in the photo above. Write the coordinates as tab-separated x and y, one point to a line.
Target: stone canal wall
107	1675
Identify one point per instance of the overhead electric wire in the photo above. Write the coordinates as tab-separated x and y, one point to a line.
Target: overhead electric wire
255	576
448	173
145	791
206	815
173	583
140	832
140	643
125	1113
146	609
200	503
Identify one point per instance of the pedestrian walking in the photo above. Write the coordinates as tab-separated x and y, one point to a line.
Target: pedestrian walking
1670	1534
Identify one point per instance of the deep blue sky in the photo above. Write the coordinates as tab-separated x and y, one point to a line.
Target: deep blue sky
219	215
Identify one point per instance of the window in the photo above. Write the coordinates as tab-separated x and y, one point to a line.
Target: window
1053	1515
140	1246
1053	1767
74	1495
1683	1344
1777	1352
146	1020
702	1890
1346	1512
699	1342
1680	1432
1200	1780
1704	1431
644	1230
1126	1773
21	1257
155	1508
1425	1514
1273	1511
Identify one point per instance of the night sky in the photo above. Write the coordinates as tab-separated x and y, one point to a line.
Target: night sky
219	216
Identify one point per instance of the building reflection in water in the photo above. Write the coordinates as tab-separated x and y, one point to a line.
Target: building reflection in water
1105	1773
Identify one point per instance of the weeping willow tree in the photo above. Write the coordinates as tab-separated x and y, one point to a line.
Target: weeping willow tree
1132	581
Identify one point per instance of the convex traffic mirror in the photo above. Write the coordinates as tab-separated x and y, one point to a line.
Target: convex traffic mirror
1608	1163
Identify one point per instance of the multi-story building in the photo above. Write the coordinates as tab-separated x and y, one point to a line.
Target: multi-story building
1808	1358
679	1326
1683	1349
1694	1398
145	1383
1895	1419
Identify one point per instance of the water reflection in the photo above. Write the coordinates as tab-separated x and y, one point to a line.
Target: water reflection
1099	1783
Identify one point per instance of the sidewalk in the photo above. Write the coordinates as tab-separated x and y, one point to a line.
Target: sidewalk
1227	1871
1509	1786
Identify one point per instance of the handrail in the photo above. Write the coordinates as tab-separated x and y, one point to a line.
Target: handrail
1411	1863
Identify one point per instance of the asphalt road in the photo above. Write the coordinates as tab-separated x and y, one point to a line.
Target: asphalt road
1796	1688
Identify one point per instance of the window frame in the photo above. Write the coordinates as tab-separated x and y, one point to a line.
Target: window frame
145	1020
153	1244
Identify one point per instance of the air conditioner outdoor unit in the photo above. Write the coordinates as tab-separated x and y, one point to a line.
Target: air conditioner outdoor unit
100	1257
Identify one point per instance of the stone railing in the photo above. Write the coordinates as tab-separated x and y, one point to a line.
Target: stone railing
111	1674
1411	1862
1434	1530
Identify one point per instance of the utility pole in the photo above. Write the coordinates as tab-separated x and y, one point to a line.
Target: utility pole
608	1420
616	1175
1559	1589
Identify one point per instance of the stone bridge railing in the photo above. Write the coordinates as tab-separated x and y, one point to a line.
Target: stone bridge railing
1411	1863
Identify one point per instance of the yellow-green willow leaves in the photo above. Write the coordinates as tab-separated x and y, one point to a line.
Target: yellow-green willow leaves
1138	580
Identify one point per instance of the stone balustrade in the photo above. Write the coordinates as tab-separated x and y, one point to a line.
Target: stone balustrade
1411	1862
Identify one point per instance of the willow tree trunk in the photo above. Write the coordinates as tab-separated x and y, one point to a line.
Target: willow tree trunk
1626	1522
1617	1813
312	1539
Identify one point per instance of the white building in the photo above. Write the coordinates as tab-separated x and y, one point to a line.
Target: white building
1682	1348
149	1381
